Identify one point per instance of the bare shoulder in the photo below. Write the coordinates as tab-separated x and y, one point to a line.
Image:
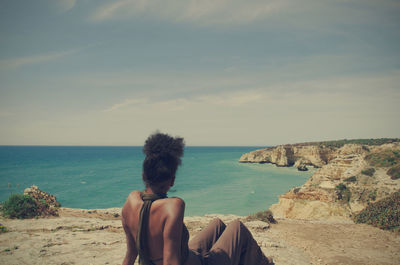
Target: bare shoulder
176	201
175	206
134	194
132	197
131	201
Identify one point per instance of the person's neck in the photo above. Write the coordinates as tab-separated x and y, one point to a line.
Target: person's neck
152	190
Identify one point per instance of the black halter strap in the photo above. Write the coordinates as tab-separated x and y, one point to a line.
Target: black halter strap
141	238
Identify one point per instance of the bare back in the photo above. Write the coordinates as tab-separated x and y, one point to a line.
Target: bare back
165	227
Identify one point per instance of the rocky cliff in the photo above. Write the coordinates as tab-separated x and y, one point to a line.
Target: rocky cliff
289	155
348	178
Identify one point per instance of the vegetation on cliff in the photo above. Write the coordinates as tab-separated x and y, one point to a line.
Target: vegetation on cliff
351	179
394	172
265	216
20	206
386	158
3	229
340	143
343	193
384	214
368	172
32	203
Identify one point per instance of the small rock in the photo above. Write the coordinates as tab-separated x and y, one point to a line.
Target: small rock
302	168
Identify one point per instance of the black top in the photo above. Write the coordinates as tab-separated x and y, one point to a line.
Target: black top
141	238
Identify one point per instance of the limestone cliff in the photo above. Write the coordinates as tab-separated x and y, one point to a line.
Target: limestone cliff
348	178
288	155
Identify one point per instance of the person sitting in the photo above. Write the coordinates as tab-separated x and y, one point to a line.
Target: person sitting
154	227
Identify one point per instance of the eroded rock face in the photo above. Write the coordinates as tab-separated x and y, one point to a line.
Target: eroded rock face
288	155
339	188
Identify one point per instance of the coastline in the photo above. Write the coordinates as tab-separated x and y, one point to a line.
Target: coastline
80	236
351	175
95	236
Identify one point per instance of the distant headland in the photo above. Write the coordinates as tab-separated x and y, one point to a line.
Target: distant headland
351	175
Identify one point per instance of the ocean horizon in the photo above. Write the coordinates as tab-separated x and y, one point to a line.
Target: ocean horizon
210	180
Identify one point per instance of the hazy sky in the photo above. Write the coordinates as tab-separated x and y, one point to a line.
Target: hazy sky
217	72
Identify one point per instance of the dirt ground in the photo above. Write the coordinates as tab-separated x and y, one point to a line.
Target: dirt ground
96	237
338	243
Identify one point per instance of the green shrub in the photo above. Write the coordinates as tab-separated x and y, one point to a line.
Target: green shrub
265	216
20	206
343	192
341	187
340	143
3	229
384	214
372	195
351	179
369	171
394	172
385	158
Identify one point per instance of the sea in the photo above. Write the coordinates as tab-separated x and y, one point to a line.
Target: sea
210	179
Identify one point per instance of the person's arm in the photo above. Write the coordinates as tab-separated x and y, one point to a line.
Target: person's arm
172	232
131	251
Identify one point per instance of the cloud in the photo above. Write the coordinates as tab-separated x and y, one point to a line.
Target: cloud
233	99
332	108
22	61
325	109
65	5
310	14
195	11
126	103
338	94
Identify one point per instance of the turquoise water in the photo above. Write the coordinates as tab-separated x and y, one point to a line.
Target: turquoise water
210	179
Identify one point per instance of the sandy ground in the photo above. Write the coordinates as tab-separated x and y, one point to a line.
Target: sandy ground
96	237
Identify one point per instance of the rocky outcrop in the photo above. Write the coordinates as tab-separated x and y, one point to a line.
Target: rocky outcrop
301	166
349	177
47	203
288	155
341	187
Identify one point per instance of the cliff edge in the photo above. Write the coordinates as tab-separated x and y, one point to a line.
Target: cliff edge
349	177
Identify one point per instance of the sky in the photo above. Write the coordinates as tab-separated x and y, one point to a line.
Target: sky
216	72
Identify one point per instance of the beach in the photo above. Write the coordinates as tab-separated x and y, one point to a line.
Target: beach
80	236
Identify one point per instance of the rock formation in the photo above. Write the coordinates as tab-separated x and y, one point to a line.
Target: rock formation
288	155
348	178
47	203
